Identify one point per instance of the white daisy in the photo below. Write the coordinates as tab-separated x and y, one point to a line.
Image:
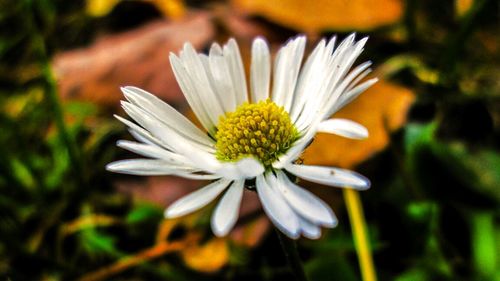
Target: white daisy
250	139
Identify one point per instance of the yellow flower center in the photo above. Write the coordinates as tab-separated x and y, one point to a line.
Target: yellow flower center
263	130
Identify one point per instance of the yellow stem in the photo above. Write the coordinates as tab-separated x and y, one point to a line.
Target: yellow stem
360	233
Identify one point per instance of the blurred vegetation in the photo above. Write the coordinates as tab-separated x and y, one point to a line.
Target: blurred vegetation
433	211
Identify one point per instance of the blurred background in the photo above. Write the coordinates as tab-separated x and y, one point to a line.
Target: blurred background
433	155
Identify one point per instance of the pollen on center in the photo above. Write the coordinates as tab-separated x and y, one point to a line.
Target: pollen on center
263	130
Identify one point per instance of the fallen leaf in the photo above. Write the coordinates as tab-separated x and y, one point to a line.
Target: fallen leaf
462	7
138	57
315	16
209	257
173	9
381	109
99	8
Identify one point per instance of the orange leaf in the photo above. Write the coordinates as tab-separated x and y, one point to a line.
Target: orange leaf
314	16
463	6
381	108
168	225
209	257
99	8
173	9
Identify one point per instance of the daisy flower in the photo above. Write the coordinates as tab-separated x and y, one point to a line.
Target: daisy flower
250	139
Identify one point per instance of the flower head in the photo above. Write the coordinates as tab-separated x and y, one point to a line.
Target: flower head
257	136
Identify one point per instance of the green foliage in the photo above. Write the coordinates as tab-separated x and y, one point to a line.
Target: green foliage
96	243
143	213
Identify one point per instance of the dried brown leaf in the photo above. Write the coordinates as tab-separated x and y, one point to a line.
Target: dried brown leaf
138	57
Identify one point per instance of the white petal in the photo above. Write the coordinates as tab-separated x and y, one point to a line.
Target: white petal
232	53
330	176
199	80
153	151
144	137
293	73
196	200
340	88
227	210
345	55
250	167
341	81
331	45
354	93
305	203
328	70
197	176
196	155
199	155
223	82
260	73
140	133
357	80
215	49
309	229
245	168
143	167
168	136
165	113
277	209
143	119
191	93
145	149
331	105
333	81
309	80
343	127
286	70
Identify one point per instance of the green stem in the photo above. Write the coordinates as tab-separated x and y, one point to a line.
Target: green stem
53	101
289	247
484	246
360	233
